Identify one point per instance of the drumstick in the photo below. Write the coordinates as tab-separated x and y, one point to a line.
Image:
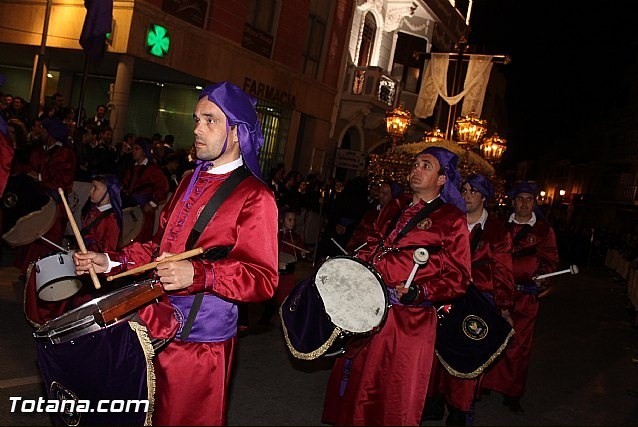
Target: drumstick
297	247
151	265
420	257
345	252
54	245
360	246
78	238
573	269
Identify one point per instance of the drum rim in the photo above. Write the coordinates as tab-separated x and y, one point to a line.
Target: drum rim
384	289
95	302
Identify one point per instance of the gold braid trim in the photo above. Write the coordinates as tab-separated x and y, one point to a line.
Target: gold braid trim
24	300
315	353
149	353
481	368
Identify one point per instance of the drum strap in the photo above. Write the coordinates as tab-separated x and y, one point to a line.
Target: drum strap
420	216
95	222
476	238
237	176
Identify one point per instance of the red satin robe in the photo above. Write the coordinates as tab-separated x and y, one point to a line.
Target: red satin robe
6	156
388	378
147	183
509	374
102	237
491	273
56	167
192	378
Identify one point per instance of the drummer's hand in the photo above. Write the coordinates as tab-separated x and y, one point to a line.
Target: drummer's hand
402	290
174	275
83	262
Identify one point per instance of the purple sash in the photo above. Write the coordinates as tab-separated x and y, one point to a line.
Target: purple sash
530	287
216	319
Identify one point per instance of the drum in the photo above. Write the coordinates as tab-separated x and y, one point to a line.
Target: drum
286	263
471	334
55	277
98	358
132	224
345	300
28	212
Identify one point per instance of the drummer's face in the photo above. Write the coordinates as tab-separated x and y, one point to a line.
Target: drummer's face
211	133
98	190
289	220
473	198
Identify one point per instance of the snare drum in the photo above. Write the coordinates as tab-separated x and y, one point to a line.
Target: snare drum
55	277
94	353
286	263
346	299
132	224
28	212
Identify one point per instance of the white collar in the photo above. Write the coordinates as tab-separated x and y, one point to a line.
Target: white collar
104	207
226	167
144	162
481	221
57	144
531	221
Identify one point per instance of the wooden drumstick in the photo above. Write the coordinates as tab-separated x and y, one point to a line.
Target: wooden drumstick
78	238
420	257
151	265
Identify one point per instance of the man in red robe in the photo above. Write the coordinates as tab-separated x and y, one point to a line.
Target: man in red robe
193	374
101	225
383	379
144	185
534	253
52	165
491	248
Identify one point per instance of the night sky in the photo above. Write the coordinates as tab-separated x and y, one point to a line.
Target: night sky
567	63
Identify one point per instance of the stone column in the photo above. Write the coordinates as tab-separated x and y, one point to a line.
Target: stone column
120	96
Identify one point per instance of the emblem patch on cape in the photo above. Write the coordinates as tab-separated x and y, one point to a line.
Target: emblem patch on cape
474	327
531	239
425	224
70	415
10	199
480	245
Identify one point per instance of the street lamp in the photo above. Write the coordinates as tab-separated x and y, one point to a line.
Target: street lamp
397	122
470	130
435	135
492	148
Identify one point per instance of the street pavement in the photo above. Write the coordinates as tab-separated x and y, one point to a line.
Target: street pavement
584	368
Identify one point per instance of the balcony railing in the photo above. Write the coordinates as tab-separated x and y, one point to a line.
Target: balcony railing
626	194
371	84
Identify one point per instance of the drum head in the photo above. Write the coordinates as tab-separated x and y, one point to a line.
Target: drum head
31	226
55	277
132	223
353	294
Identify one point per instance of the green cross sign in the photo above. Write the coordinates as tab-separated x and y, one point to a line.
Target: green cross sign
158	40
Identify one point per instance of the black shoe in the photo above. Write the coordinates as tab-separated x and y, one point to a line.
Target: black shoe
514	404
434	409
456	417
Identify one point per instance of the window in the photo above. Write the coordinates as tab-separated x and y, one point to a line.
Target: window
317	25
367	40
407	66
259	26
261	15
